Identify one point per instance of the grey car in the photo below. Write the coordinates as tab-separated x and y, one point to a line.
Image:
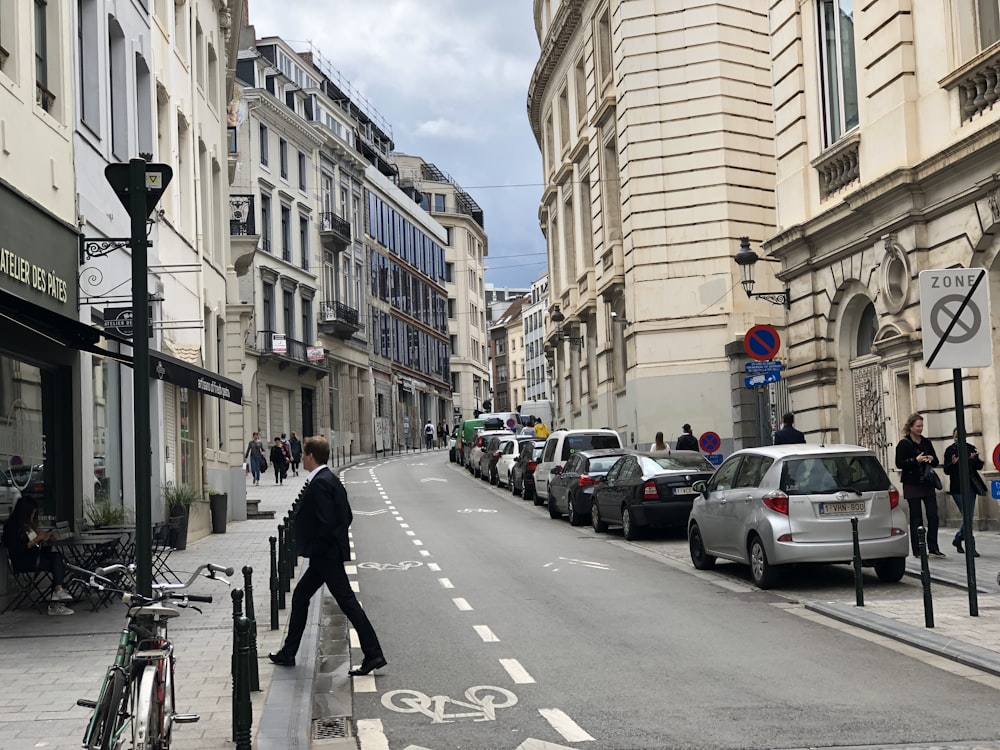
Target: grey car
786	504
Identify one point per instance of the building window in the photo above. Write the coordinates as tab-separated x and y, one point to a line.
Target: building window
286	232
307	316
87	38
439	202
838	70
265	222
288	306
118	89
283	157
263	145
304	240
41	44
268	307
867	328
302	172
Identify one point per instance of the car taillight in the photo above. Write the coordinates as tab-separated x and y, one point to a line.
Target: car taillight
479	442
649	491
585	481
532	465
776	501
893	497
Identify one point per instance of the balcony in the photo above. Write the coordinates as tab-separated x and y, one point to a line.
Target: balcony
334	232
337	319
839	166
291	353
243	237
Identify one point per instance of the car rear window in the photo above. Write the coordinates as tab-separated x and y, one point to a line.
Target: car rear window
826	474
574	443
683	462
602	464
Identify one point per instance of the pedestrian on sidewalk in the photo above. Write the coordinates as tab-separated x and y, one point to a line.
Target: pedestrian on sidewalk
279	460
788	435
658	444
295	446
429	434
24	541
687	441
976	485
254	455
321	525
914	457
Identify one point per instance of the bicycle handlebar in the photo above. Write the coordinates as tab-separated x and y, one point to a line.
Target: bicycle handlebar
100	578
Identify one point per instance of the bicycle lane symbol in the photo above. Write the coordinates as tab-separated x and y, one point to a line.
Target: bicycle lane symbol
480	704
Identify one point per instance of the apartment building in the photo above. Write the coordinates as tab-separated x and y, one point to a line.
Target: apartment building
655	128
887	136
465	256
507	357
533	315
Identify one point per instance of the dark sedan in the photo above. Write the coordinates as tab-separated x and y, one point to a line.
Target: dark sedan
522	473
648	490
571	490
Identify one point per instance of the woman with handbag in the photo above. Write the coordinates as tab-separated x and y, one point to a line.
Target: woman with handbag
976	485
916	459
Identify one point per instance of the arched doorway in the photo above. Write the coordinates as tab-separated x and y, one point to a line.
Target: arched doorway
862	376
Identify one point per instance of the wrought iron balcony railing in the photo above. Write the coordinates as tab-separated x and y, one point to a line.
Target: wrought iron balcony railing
332	226
241	215
272	342
338	319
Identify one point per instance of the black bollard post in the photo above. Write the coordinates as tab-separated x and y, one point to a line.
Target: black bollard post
236	664
286	575
274	582
859	592
290	541
925	578
243	708
351	454
281	566
252	616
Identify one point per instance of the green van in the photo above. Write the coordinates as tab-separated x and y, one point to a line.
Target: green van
467	438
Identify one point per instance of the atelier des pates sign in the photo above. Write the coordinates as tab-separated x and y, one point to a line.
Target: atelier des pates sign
25	272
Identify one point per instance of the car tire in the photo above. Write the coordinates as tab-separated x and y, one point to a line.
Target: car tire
630	529
572	515
536	499
494	478
513	487
696	545
595	519
553	510
890	569
763	573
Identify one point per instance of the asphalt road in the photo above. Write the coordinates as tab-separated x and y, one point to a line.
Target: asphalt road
584	640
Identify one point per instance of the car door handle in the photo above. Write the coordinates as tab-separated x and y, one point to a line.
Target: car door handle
748	498
723	500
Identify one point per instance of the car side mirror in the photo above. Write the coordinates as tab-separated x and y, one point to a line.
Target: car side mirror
701	487
556	470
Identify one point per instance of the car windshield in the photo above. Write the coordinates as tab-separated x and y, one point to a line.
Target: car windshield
684	462
598	465
575	443
827	474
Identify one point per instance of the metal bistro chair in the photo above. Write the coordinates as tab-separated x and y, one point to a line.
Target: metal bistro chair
161	553
34	586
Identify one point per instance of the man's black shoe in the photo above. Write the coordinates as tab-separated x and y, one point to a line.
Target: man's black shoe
368	666
281	660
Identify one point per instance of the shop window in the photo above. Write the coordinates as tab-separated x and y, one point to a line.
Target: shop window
186	470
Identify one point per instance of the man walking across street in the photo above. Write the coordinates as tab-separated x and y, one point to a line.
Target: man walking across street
687	441
321	525
788	435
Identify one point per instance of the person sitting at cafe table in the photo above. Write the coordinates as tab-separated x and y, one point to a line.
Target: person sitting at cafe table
24	543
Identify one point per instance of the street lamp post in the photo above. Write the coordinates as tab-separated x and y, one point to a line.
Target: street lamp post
746	259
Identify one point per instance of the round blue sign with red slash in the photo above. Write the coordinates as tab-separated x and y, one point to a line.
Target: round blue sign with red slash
996	457
710	442
762	342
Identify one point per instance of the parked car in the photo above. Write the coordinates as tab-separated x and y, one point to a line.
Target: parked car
562	444
522	472
571	490
510	450
466	439
475	461
786	504
648	490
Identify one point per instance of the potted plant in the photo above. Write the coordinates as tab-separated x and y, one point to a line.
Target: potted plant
104	513
179	499
219	502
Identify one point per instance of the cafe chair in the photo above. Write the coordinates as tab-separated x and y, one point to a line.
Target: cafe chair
33	586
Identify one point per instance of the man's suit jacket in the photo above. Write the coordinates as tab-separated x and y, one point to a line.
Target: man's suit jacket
323	518
788	435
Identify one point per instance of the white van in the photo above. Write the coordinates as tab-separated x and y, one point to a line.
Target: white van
544	409
562	444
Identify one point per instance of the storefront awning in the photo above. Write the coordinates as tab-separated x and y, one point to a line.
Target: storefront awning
179	372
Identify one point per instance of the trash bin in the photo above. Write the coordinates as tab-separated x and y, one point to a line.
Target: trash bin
219	503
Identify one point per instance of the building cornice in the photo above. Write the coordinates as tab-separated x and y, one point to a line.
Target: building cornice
292	122
564	27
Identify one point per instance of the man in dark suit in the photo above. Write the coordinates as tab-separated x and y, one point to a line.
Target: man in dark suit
321	525
788	435
687	441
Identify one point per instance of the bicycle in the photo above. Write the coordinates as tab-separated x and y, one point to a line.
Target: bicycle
137	694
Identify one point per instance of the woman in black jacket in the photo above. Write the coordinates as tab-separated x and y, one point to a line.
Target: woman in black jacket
279	460
914	453
951	468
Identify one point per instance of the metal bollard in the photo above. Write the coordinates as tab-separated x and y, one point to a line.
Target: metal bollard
252	616
351	454
274	582
281	566
243	708
236	665
925	578
286	579
859	592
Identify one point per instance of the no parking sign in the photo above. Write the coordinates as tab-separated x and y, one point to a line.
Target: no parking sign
762	342
710	442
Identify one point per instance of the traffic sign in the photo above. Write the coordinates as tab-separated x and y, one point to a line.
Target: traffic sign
761	378
709	442
762	342
995	489
955	318
715	459
771	365
156	179
996	457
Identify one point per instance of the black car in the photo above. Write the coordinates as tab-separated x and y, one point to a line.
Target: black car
571	490
522	473
648	490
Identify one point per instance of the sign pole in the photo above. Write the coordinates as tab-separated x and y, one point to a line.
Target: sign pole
964	484
140	379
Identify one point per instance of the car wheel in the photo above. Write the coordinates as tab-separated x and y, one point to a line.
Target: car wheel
553	510
513	487
574	517
494	478
763	573
536	499
595	519
528	493
701	559
629	527
890	569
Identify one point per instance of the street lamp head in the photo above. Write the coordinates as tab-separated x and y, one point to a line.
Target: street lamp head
746	259
556	315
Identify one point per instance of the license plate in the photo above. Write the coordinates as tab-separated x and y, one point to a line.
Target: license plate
684	491
837	509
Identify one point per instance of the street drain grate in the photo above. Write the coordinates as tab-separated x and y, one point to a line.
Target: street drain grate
328	729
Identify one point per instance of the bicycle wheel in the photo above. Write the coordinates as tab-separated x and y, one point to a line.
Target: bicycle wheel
105	716
146	724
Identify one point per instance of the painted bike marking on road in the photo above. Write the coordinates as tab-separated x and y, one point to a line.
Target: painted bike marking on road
517	673
404	565
369	512
586	563
568	728
434	567
481	703
484	632
476	510
433	479
445	583
462	605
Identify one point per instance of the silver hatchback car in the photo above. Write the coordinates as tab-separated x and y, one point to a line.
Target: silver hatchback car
786	504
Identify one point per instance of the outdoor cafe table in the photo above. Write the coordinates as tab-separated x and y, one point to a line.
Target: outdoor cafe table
89	551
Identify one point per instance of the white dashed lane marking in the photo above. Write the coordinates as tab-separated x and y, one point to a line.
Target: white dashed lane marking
446	583
425	553
517	673
433	567
462	605
568	728
486	634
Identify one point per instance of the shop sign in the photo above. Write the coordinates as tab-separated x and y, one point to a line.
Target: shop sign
28	274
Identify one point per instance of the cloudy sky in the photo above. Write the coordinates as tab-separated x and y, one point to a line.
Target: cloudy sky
451	77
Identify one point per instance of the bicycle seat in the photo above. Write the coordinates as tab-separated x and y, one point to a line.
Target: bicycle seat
155	611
